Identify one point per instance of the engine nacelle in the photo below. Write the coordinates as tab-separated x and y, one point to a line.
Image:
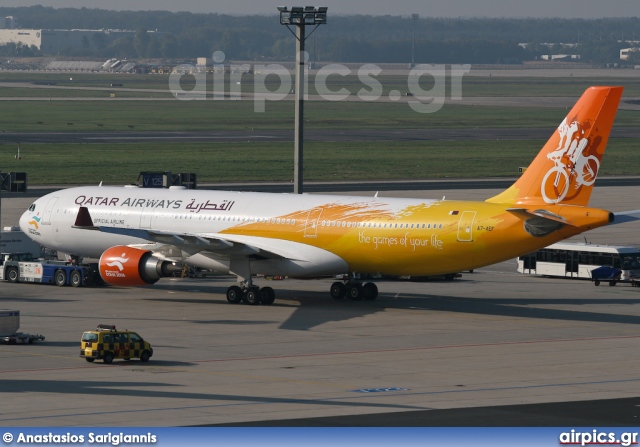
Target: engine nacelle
127	267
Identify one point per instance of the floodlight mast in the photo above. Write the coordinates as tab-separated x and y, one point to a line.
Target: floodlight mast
300	17
414	17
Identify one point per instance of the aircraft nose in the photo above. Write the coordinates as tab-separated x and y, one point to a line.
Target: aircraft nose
23	222
28	221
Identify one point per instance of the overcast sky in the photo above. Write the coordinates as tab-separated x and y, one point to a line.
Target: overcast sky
433	8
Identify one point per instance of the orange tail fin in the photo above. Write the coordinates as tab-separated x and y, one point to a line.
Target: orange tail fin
565	169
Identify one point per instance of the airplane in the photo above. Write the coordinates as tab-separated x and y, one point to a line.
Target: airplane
140	235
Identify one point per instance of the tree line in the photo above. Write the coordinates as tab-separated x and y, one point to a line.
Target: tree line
378	39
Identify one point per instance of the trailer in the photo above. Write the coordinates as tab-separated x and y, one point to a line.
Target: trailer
9	325
20	267
12	240
20	338
606	273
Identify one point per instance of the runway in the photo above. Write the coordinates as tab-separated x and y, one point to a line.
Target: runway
230	136
492	348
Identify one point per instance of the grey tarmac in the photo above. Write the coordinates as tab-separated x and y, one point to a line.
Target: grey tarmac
490	348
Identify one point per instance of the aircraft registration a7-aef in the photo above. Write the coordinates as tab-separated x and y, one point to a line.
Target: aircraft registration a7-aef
139	234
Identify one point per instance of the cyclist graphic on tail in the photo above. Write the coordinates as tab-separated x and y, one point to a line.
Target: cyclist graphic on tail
569	161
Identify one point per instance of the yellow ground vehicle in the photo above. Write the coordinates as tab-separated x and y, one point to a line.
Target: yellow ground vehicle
107	343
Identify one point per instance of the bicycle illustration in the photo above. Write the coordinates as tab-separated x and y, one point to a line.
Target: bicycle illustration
584	169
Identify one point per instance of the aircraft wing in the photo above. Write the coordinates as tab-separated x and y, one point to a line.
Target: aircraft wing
217	245
214	245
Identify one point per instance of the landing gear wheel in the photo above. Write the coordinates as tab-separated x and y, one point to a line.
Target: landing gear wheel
60	278
234	294
253	296
12	274
76	278
370	291
355	292
338	291
267	295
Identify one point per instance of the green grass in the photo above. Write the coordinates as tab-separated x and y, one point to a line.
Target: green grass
234	162
113	115
224	162
55	116
24	92
543	86
93	80
471	85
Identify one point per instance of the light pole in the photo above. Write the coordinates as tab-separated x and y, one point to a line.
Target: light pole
1	226
300	17
414	17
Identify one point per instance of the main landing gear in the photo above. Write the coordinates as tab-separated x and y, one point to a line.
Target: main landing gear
250	294
255	295
246	291
354	290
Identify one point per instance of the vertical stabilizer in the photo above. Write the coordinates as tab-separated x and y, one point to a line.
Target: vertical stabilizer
566	168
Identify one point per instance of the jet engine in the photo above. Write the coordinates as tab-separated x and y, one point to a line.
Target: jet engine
128	267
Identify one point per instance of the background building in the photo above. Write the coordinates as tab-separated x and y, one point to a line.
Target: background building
626	52
53	41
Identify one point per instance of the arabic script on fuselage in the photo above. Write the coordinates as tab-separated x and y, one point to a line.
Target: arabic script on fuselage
132	202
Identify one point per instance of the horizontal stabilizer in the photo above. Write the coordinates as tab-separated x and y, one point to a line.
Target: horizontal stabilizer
540	222
544	214
626	216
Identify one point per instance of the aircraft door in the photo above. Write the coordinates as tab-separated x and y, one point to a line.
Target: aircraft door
145	217
311	225
465	226
46	215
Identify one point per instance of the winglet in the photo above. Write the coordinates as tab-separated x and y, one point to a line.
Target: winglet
565	169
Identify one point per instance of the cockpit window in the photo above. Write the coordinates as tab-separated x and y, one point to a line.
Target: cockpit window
32	207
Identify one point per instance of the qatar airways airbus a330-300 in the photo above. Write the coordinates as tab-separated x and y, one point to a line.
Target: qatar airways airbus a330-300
139	234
